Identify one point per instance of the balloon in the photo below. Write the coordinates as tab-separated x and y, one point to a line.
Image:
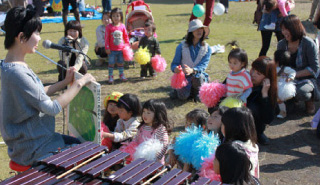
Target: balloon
198	10
218	9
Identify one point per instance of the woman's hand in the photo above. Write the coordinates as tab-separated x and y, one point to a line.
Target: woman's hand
69	75
187	70
108	51
265	87
177	69
86	79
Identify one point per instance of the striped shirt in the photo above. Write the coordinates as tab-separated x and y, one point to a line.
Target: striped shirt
238	82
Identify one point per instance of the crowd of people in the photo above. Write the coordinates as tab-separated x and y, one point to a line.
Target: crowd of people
31	135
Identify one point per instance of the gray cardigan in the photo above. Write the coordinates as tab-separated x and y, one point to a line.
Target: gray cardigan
28	122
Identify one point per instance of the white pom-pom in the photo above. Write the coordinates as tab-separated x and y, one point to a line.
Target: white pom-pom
286	90
148	150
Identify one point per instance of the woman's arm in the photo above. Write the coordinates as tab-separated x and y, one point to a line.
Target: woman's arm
310	54
51	89
177	58
65	98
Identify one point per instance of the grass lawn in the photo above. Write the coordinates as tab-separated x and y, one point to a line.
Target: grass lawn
171	18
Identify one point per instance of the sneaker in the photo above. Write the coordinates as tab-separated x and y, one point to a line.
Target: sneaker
282	115
142	77
271	26
123	78
110	81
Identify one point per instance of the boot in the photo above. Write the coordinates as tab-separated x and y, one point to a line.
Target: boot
310	108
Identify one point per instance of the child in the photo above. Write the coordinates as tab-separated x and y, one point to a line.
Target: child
214	121
238	126
233	165
116	38
199	118
238	80
110	117
286	76
155	124
275	7
153	46
100	33
129	108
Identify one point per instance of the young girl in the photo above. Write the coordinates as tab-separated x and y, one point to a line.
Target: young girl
100	49
73	37
238	126
129	108
116	38
238	80
233	165
286	75
199	118
214	121
110	117
155	125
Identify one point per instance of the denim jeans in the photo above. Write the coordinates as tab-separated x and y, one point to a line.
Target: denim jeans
106	4
116	57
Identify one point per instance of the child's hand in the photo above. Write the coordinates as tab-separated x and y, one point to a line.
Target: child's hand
172	158
108	51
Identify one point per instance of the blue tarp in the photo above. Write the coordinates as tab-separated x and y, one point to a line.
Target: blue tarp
58	19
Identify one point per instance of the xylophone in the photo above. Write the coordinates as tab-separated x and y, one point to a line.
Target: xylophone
90	164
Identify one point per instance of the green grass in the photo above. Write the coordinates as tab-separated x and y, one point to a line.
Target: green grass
171	18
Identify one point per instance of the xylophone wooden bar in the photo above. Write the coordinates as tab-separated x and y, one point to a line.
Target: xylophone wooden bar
98	162
72	155
180	178
102	168
202	181
133	172
144	174
122	171
65	152
167	177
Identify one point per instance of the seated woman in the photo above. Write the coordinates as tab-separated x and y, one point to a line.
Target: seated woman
263	99
73	38
304	60
27	120
193	55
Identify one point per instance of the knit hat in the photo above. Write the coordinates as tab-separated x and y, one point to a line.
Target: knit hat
114	96
195	24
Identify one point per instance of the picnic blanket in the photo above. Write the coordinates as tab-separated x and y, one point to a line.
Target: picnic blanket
58	19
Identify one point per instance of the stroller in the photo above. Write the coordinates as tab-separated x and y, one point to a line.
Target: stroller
135	20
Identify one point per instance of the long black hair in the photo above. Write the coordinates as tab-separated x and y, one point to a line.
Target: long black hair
239	125
234	164
131	103
189	38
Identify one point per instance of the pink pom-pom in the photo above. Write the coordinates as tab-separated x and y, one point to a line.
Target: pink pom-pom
106	141
159	64
207	171
127	53
129	148
178	80
211	93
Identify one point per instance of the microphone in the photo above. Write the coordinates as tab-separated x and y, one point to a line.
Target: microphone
48	44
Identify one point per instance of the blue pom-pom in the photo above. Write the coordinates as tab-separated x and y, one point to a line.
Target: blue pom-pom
184	142
203	148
